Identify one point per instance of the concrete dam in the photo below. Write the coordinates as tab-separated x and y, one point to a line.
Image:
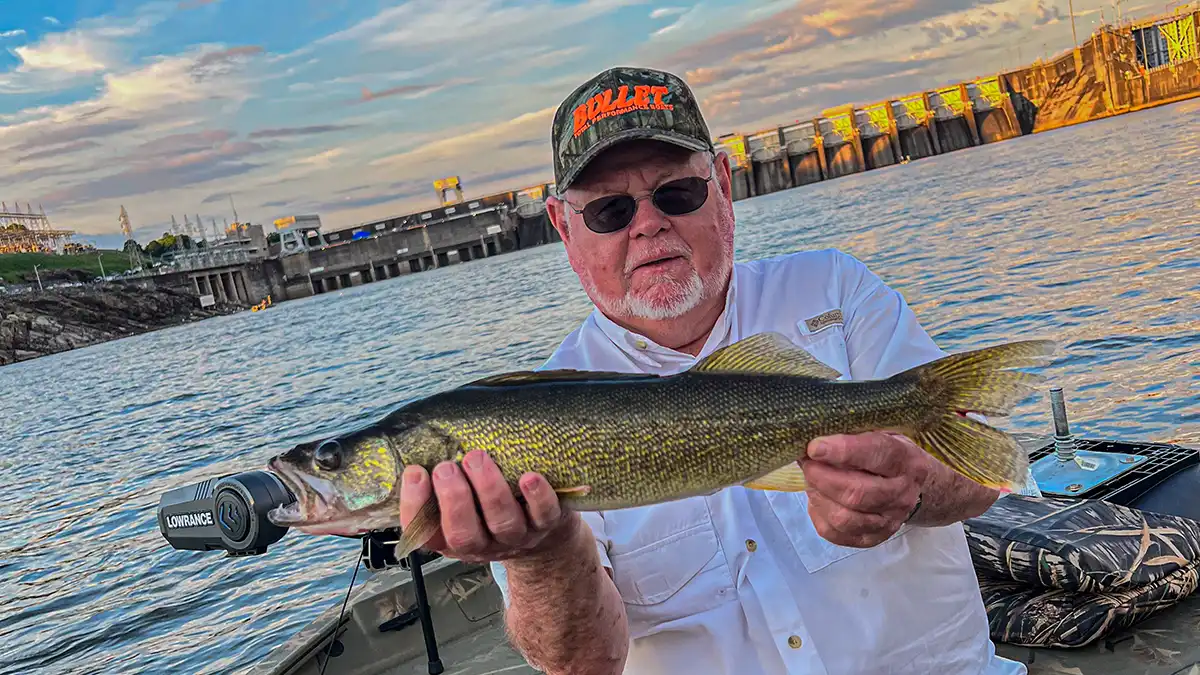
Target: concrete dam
1119	69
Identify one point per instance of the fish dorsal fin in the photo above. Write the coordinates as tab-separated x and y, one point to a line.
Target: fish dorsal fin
520	377
765	354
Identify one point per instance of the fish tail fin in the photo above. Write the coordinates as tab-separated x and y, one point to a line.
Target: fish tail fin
420	529
979	382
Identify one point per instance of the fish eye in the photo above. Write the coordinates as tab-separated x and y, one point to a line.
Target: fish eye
328	455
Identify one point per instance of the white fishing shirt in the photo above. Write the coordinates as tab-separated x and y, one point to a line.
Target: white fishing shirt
739	582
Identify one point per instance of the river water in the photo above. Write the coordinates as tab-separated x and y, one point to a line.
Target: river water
1089	235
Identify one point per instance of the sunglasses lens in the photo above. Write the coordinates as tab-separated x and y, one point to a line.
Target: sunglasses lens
681	196
609	214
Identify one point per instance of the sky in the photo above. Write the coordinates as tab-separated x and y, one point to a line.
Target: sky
350	109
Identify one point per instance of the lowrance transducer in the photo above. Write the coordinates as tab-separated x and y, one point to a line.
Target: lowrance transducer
227	513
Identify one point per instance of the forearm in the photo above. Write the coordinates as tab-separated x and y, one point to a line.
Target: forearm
948	497
564	612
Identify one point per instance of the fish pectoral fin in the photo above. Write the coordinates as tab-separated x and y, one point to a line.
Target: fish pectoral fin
789	478
577	491
420	529
560	375
765	353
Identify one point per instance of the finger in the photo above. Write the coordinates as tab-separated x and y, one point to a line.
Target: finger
461	525
845	527
874	452
416	489
541	501
859	490
504	517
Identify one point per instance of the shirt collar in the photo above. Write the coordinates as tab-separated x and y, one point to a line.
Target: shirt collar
645	351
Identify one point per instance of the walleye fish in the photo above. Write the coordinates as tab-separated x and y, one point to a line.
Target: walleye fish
741	416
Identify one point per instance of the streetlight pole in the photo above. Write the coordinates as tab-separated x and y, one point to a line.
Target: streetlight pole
100	259
39	278
1071	9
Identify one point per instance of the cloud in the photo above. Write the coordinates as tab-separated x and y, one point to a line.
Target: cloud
410	90
12	33
222	62
51	20
50	132
506	176
802	27
966	27
528	126
149	130
662	12
182	160
1044	16
287	132
59	151
471	27
374	196
64	58
71	53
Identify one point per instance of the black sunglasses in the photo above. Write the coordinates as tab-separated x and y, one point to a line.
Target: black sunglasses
611	213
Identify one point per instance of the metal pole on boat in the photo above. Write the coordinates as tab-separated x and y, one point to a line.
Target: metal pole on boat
431	648
1064	442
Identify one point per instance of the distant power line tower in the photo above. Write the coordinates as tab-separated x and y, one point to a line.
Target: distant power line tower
29	232
135	257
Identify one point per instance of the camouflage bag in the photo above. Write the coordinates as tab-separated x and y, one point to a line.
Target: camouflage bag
1065	572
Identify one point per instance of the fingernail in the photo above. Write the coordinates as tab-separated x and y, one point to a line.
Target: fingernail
474	459
530	483
413	475
817	448
444	470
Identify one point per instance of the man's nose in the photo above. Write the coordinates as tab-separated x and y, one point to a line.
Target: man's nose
647	219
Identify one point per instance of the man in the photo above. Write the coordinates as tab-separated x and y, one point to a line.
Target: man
866	572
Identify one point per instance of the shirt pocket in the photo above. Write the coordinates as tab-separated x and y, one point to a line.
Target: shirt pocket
814	551
668	564
824	337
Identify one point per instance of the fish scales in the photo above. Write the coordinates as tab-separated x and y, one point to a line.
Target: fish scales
642	440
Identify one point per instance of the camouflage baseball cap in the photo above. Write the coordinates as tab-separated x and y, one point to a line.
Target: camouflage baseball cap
622	104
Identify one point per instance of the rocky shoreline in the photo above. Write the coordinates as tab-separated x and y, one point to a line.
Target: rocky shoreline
38	324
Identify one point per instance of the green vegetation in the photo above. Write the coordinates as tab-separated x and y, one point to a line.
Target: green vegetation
166	243
14	266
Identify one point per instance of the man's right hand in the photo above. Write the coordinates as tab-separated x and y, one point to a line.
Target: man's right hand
506	530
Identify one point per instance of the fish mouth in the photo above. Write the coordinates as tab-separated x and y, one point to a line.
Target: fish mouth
319	509
317	505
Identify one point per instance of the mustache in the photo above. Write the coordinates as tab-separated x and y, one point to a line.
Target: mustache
658	252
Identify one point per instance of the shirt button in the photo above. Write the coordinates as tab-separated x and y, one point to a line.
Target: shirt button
794	642
751	545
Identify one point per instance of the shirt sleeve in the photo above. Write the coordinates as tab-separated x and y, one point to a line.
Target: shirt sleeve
883	336
593	519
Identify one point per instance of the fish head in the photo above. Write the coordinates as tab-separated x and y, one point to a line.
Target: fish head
343	485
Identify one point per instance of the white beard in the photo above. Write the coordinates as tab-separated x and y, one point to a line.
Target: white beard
682	298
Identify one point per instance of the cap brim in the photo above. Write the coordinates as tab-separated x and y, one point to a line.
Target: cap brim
625	136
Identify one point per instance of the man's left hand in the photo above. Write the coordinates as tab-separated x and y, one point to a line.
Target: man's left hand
862	488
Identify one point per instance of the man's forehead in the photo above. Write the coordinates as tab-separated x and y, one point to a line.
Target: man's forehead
652	159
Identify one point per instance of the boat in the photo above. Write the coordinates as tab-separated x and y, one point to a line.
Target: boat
1140	615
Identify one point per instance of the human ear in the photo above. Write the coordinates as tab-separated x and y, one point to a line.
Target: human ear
556	210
